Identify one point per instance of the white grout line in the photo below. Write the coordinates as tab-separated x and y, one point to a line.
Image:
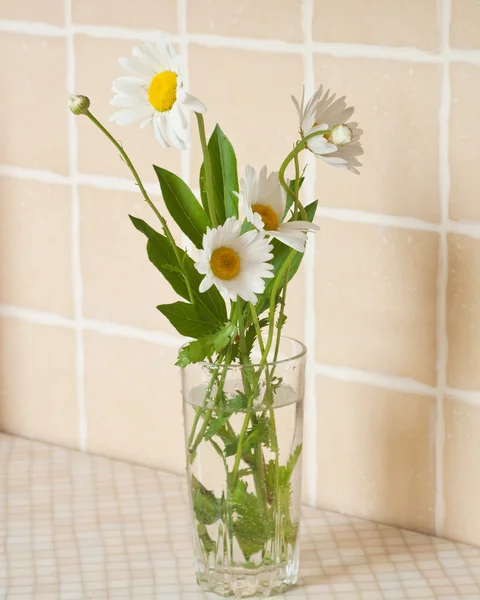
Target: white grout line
33	175
135	333
337	49
442	279
347	50
75	228
362	216
39	317
463	55
240	43
123	33
471	397
374	379
308	187
32	28
106	182
467	228
185	156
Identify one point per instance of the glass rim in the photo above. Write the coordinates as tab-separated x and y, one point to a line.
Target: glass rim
298	355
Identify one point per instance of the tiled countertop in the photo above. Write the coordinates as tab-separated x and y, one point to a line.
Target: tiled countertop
77	526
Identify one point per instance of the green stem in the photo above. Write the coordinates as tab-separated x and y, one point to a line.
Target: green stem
284	292
281	176
250	395
207	393
259	479
241	440
276	285
301	145
208	169
208	414
280	317
138	181
256	324
276	508
128	162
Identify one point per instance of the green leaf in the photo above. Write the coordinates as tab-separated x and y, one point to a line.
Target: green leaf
231	448
292	461
284	480
207	542
210	304
215	425
162	255
206	346
186	319
206	507
261	432
245	472
183	206
250	528
237	403
238	495
224	176
280	254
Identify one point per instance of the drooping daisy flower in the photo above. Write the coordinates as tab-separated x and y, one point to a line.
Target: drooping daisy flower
262	200
236	264
341	146
155	93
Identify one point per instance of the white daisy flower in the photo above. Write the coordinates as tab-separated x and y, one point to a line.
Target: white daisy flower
341	146
263	200
155	93
236	264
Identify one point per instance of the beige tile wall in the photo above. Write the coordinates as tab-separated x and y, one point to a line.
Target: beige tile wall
388	300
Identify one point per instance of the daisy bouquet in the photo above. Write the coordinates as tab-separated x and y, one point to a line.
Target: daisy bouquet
243	241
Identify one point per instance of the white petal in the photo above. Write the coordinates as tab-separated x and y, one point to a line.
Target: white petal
171	130
127	101
301	225
137	68
251	186
319	145
125	116
194	104
158	132
297	243
147	56
205	284
202	267
128	85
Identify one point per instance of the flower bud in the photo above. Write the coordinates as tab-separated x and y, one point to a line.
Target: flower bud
78	104
340	135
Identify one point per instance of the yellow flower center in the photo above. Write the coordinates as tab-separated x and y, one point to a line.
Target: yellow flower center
162	91
269	216
225	263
